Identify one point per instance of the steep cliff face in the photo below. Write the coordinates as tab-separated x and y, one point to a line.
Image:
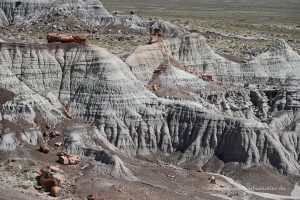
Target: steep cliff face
70	14
287	120
99	88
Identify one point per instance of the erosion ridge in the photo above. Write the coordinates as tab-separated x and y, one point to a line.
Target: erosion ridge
178	68
278	65
99	88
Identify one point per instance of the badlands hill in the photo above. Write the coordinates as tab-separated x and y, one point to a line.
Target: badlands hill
85	15
99	88
277	66
157	124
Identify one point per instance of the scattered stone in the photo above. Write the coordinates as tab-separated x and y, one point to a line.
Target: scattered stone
156	71
63	160
207	77
55	191
54	168
170	176
62	153
94	197
46	134
44	148
48	183
154	87
66	111
212	180
58	144
74	160
67	159
48	126
55	133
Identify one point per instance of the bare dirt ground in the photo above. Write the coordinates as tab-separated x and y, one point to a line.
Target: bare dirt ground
154	178
154	181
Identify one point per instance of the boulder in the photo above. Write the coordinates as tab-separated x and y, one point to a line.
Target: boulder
62	153
66	38
54	133
55	191
63	160
74	160
58	144
44	148
54	168
48	126
212	180
48	183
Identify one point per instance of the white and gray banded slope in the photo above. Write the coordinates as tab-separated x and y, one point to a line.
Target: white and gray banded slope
100	88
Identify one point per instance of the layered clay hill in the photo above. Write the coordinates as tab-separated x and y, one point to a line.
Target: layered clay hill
76	15
277	66
98	88
148	127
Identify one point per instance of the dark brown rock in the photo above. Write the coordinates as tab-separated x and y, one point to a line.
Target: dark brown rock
48	183
74	160
94	197
55	191
44	148
63	160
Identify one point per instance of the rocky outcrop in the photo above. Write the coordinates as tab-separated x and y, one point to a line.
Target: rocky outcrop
99	88
74	14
